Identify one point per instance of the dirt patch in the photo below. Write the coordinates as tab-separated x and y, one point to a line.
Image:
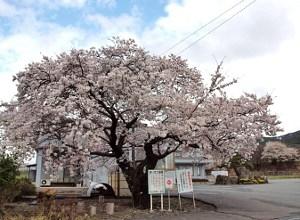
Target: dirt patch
73	209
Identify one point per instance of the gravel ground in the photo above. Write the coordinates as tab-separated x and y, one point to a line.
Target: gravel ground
69	209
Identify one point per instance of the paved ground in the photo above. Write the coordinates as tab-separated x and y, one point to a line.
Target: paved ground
205	215
278	200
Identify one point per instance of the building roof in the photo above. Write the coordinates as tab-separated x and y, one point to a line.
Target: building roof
191	161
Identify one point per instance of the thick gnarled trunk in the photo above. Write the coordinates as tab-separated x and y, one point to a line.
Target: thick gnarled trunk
139	190
137	180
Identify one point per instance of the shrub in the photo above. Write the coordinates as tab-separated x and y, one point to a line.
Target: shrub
8	174
8	170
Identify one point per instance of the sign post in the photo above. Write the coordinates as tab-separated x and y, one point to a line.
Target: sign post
180	206
169	202
185	183
156	185
169	184
151	206
161	202
194	203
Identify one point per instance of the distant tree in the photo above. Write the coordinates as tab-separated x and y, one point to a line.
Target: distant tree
275	151
105	102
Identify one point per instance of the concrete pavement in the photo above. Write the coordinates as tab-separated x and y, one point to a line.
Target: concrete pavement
204	215
280	199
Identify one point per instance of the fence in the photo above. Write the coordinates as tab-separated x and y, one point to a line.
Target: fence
119	184
276	173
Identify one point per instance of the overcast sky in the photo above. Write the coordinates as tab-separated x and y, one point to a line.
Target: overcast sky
260	46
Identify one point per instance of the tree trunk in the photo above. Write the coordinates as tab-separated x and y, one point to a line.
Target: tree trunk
139	190
137	180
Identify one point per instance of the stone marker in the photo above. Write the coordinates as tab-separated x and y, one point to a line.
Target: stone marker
93	210
109	208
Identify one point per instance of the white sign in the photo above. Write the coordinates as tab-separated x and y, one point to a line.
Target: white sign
156	181
170	179
184	180
216	173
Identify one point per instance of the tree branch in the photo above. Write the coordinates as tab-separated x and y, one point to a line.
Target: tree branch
103	154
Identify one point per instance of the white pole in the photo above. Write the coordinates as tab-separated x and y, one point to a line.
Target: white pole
151	207
180	207
161	202
194	200
169	201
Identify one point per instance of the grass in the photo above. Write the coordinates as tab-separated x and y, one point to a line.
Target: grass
283	177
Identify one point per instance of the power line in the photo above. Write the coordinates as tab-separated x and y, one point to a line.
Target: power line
203	26
215	28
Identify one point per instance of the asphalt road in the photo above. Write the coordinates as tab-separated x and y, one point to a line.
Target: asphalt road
280	199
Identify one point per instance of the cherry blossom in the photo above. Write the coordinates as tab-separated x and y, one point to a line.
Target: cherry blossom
107	101
278	151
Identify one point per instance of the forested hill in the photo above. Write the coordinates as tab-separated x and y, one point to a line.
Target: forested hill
290	139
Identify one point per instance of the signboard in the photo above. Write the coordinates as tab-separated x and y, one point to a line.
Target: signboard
156	181
170	179
184	180
216	173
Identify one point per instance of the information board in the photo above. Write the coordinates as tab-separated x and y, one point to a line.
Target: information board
184	180
156	181
170	179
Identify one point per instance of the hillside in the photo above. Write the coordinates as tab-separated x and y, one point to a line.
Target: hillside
290	139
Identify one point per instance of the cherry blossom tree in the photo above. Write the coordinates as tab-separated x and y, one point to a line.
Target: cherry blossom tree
235	125
107	101
279	152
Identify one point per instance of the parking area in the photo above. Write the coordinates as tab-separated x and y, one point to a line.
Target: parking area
280	199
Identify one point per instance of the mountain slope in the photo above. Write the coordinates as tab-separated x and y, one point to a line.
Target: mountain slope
290	139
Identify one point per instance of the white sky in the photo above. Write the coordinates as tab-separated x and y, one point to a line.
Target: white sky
261	45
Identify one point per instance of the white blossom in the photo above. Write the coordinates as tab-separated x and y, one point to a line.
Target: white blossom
105	101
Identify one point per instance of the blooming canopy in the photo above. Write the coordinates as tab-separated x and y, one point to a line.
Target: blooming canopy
106	101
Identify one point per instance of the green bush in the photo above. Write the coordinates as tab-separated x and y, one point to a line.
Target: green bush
8	170
8	174
10	185
12	188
